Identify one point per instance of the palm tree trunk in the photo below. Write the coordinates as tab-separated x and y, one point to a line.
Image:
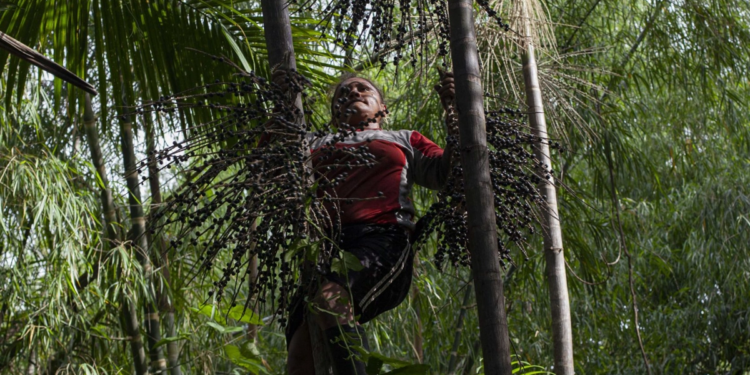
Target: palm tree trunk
562	333
278	33
485	263
129	315
140	242
161	256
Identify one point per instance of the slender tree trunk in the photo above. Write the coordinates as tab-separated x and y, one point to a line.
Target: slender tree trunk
132	328
453	361
485	262
160	254
418	338
139	241
173	348
562	333
129	315
278	33
111	233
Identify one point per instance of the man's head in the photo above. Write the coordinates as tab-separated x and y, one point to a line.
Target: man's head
357	101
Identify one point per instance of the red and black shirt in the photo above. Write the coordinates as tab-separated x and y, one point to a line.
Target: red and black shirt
379	194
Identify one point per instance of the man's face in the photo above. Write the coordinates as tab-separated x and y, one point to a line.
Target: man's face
361	101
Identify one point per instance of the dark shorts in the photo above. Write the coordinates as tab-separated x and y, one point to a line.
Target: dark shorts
382	284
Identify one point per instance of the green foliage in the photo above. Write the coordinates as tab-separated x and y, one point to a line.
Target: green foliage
671	131
670	124
238	313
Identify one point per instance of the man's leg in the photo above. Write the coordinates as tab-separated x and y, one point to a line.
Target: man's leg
300	357
340	329
333	299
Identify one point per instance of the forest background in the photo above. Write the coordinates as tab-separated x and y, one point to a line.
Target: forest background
648	97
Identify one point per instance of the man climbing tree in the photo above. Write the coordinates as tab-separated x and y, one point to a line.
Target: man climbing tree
373	213
325	209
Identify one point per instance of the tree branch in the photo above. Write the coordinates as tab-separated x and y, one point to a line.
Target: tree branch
566	45
621	67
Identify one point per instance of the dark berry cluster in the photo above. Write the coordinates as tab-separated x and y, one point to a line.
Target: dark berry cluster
514	173
485	4
249	187
397	28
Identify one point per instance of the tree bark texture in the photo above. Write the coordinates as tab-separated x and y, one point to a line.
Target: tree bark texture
562	333
485	262
278	34
140	243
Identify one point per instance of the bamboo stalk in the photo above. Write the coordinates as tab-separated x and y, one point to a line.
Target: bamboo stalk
111	233
469	367
452	362
418	337
485	262
562	333
173	348
278	34
132	329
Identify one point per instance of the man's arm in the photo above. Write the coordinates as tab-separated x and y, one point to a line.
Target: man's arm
433	164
